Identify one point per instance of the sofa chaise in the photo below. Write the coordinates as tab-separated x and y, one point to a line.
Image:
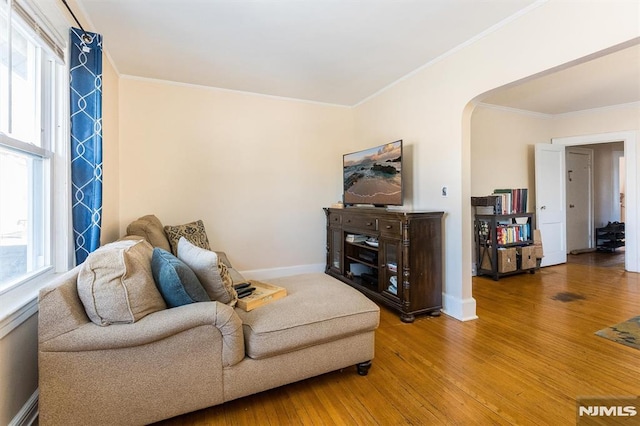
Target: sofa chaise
175	360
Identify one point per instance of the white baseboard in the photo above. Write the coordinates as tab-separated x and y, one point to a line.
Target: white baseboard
265	274
461	309
28	413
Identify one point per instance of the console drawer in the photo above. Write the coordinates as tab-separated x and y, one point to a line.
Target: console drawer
359	222
390	228
335	218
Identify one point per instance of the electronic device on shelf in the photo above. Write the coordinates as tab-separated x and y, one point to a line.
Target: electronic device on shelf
370	278
367	256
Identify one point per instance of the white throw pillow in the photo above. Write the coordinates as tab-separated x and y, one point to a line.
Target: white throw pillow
115	283
211	272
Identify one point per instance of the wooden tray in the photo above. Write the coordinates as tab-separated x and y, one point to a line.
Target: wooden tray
263	294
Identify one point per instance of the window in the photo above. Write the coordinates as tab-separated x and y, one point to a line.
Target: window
31	74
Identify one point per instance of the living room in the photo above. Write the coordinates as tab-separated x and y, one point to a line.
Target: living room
258	169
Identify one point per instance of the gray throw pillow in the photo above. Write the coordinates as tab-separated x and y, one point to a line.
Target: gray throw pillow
212	273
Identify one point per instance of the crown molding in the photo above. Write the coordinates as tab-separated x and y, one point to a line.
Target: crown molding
561	115
516	110
599	109
240	92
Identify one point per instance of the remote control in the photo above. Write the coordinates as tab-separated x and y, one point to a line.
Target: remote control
240	286
245	291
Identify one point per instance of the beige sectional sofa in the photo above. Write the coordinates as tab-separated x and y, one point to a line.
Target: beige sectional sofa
177	360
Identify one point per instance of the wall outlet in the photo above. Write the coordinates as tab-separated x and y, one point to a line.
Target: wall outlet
445	191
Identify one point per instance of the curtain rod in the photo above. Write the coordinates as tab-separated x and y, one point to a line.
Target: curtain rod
74	16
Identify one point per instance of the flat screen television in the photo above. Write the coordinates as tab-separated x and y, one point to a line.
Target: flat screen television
374	176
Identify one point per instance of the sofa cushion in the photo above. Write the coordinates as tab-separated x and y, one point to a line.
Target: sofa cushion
317	308
193	231
177	283
211	272
115	283
150	228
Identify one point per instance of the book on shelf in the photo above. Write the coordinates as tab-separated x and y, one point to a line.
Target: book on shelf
511	201
513	233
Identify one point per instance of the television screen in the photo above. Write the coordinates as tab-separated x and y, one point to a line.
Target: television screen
374	175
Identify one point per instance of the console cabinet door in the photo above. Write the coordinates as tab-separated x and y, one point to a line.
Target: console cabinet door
335	250
391	269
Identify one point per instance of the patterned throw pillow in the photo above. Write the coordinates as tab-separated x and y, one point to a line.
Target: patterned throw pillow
212	273
194	232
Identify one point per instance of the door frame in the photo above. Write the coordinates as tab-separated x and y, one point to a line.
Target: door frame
617	184
630	139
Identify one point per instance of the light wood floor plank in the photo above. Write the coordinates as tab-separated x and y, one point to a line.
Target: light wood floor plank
524	361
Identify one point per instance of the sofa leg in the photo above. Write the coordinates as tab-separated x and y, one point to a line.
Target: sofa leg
363	368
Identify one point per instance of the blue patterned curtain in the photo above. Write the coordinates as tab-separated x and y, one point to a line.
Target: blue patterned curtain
86	140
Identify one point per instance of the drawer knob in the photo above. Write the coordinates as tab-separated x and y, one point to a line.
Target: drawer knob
388	226
369	223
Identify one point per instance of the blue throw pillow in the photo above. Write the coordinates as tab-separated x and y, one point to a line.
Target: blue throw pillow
177	283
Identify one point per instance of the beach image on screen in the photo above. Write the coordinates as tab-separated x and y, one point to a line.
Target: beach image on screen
374	176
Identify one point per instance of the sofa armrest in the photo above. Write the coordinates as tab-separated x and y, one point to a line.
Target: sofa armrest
155	327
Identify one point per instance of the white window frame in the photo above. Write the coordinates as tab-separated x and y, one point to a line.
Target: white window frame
19	302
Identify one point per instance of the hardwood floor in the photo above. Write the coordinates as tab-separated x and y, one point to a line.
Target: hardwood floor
527	358
609	259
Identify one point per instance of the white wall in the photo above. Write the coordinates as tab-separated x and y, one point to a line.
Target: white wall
111	153
429	109
257	170
603	120
502	149
18	368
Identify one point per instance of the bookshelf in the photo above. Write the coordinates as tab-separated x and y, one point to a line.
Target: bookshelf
504	244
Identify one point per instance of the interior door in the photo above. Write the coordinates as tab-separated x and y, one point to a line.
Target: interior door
550	202
579	192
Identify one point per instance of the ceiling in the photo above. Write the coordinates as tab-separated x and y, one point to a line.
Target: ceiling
612	79
331	51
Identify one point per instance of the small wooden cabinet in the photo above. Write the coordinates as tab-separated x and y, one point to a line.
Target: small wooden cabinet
393	257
